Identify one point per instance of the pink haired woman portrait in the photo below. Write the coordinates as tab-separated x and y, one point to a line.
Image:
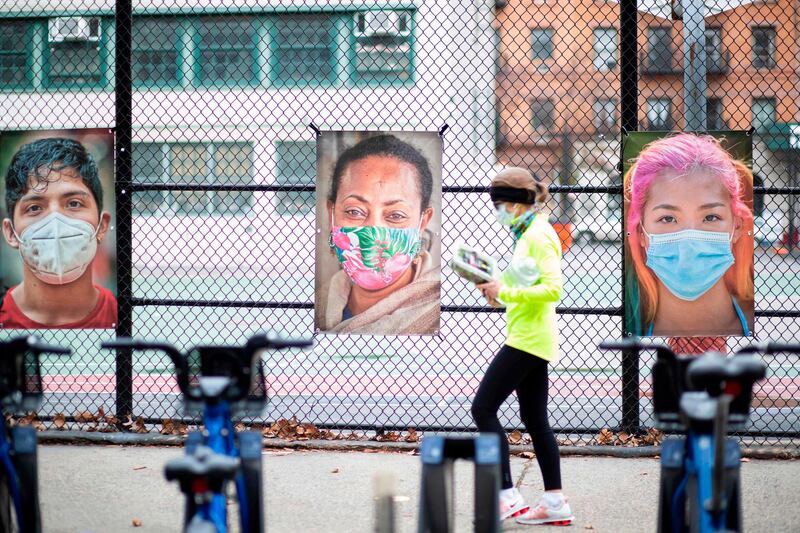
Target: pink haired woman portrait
689	240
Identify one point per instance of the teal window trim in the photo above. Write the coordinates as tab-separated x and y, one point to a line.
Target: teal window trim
28	39
150	9
101	44
177	48
371	81
276	50
198	50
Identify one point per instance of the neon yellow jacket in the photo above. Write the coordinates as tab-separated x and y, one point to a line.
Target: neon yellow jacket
532	325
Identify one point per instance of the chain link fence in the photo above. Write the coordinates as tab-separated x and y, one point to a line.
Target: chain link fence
212	101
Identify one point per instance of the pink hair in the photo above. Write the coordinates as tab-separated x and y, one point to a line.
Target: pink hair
685	153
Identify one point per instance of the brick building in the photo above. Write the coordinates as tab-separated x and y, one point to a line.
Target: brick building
558	83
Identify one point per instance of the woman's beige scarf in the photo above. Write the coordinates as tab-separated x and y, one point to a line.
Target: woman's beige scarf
412	310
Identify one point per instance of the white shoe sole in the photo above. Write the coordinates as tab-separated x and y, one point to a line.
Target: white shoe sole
547	521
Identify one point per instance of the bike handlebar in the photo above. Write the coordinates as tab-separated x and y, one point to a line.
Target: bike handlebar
272	341
662	351
269	340
769	348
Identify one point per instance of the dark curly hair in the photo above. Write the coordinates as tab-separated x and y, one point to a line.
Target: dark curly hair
37	159
389	146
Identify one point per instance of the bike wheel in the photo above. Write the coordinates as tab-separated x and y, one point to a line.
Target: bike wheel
733	518
6	523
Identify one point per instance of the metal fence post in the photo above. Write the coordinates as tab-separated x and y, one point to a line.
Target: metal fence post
629	108
124	169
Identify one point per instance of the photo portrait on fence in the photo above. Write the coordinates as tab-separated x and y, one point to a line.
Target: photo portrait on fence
378	250
688	208
58	251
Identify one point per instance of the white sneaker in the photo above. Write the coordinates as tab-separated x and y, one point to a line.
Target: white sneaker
542	514
512	507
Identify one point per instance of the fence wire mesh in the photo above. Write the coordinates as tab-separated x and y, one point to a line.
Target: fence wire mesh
215	202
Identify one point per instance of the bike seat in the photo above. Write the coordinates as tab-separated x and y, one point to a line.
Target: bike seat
204	464
710	371
698	406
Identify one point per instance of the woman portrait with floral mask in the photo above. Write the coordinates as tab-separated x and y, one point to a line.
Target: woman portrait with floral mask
378	207
55	226
689	240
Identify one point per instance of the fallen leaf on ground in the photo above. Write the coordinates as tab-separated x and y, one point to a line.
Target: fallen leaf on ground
239	427
588	526
745	459
167	427
139	426
515	437
412	435
653	437
84	417
527	455
136	522
59	421
605	436
335	471
387	437
139	467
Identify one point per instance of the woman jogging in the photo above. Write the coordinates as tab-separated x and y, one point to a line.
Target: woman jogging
529	289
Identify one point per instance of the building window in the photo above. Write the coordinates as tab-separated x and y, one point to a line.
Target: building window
193	163
295	165
74	52
764	47
605	114
659	49
542	113
542	43
714	114
659	114
155	51
226	51
303	49
605	48
763	113
149	166
383	47
715	58
14	69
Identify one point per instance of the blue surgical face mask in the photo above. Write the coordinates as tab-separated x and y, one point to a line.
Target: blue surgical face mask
504	218
689	262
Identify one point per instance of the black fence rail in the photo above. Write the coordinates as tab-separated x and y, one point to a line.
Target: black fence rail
215	173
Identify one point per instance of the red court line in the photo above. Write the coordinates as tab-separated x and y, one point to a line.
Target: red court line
569	386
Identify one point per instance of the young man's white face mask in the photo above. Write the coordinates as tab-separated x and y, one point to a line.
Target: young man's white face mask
58	249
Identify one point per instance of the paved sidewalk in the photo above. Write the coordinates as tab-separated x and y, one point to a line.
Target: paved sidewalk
104	488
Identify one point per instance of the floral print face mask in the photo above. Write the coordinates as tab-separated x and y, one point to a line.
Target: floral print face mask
374	257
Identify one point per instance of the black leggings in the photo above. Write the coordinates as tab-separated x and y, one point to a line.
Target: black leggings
515	370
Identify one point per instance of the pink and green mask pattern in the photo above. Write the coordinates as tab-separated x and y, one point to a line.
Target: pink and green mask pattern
374	257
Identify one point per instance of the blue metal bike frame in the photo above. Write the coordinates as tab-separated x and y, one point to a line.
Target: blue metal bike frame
700	464
221	439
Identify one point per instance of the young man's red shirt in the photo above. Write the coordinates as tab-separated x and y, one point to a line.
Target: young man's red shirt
104	315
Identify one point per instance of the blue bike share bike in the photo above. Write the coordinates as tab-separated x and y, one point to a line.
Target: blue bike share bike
221	382
20	392
703	398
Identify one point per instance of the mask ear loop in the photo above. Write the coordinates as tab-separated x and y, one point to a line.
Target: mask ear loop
330	234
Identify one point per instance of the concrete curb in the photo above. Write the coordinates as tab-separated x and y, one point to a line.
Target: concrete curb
150	439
